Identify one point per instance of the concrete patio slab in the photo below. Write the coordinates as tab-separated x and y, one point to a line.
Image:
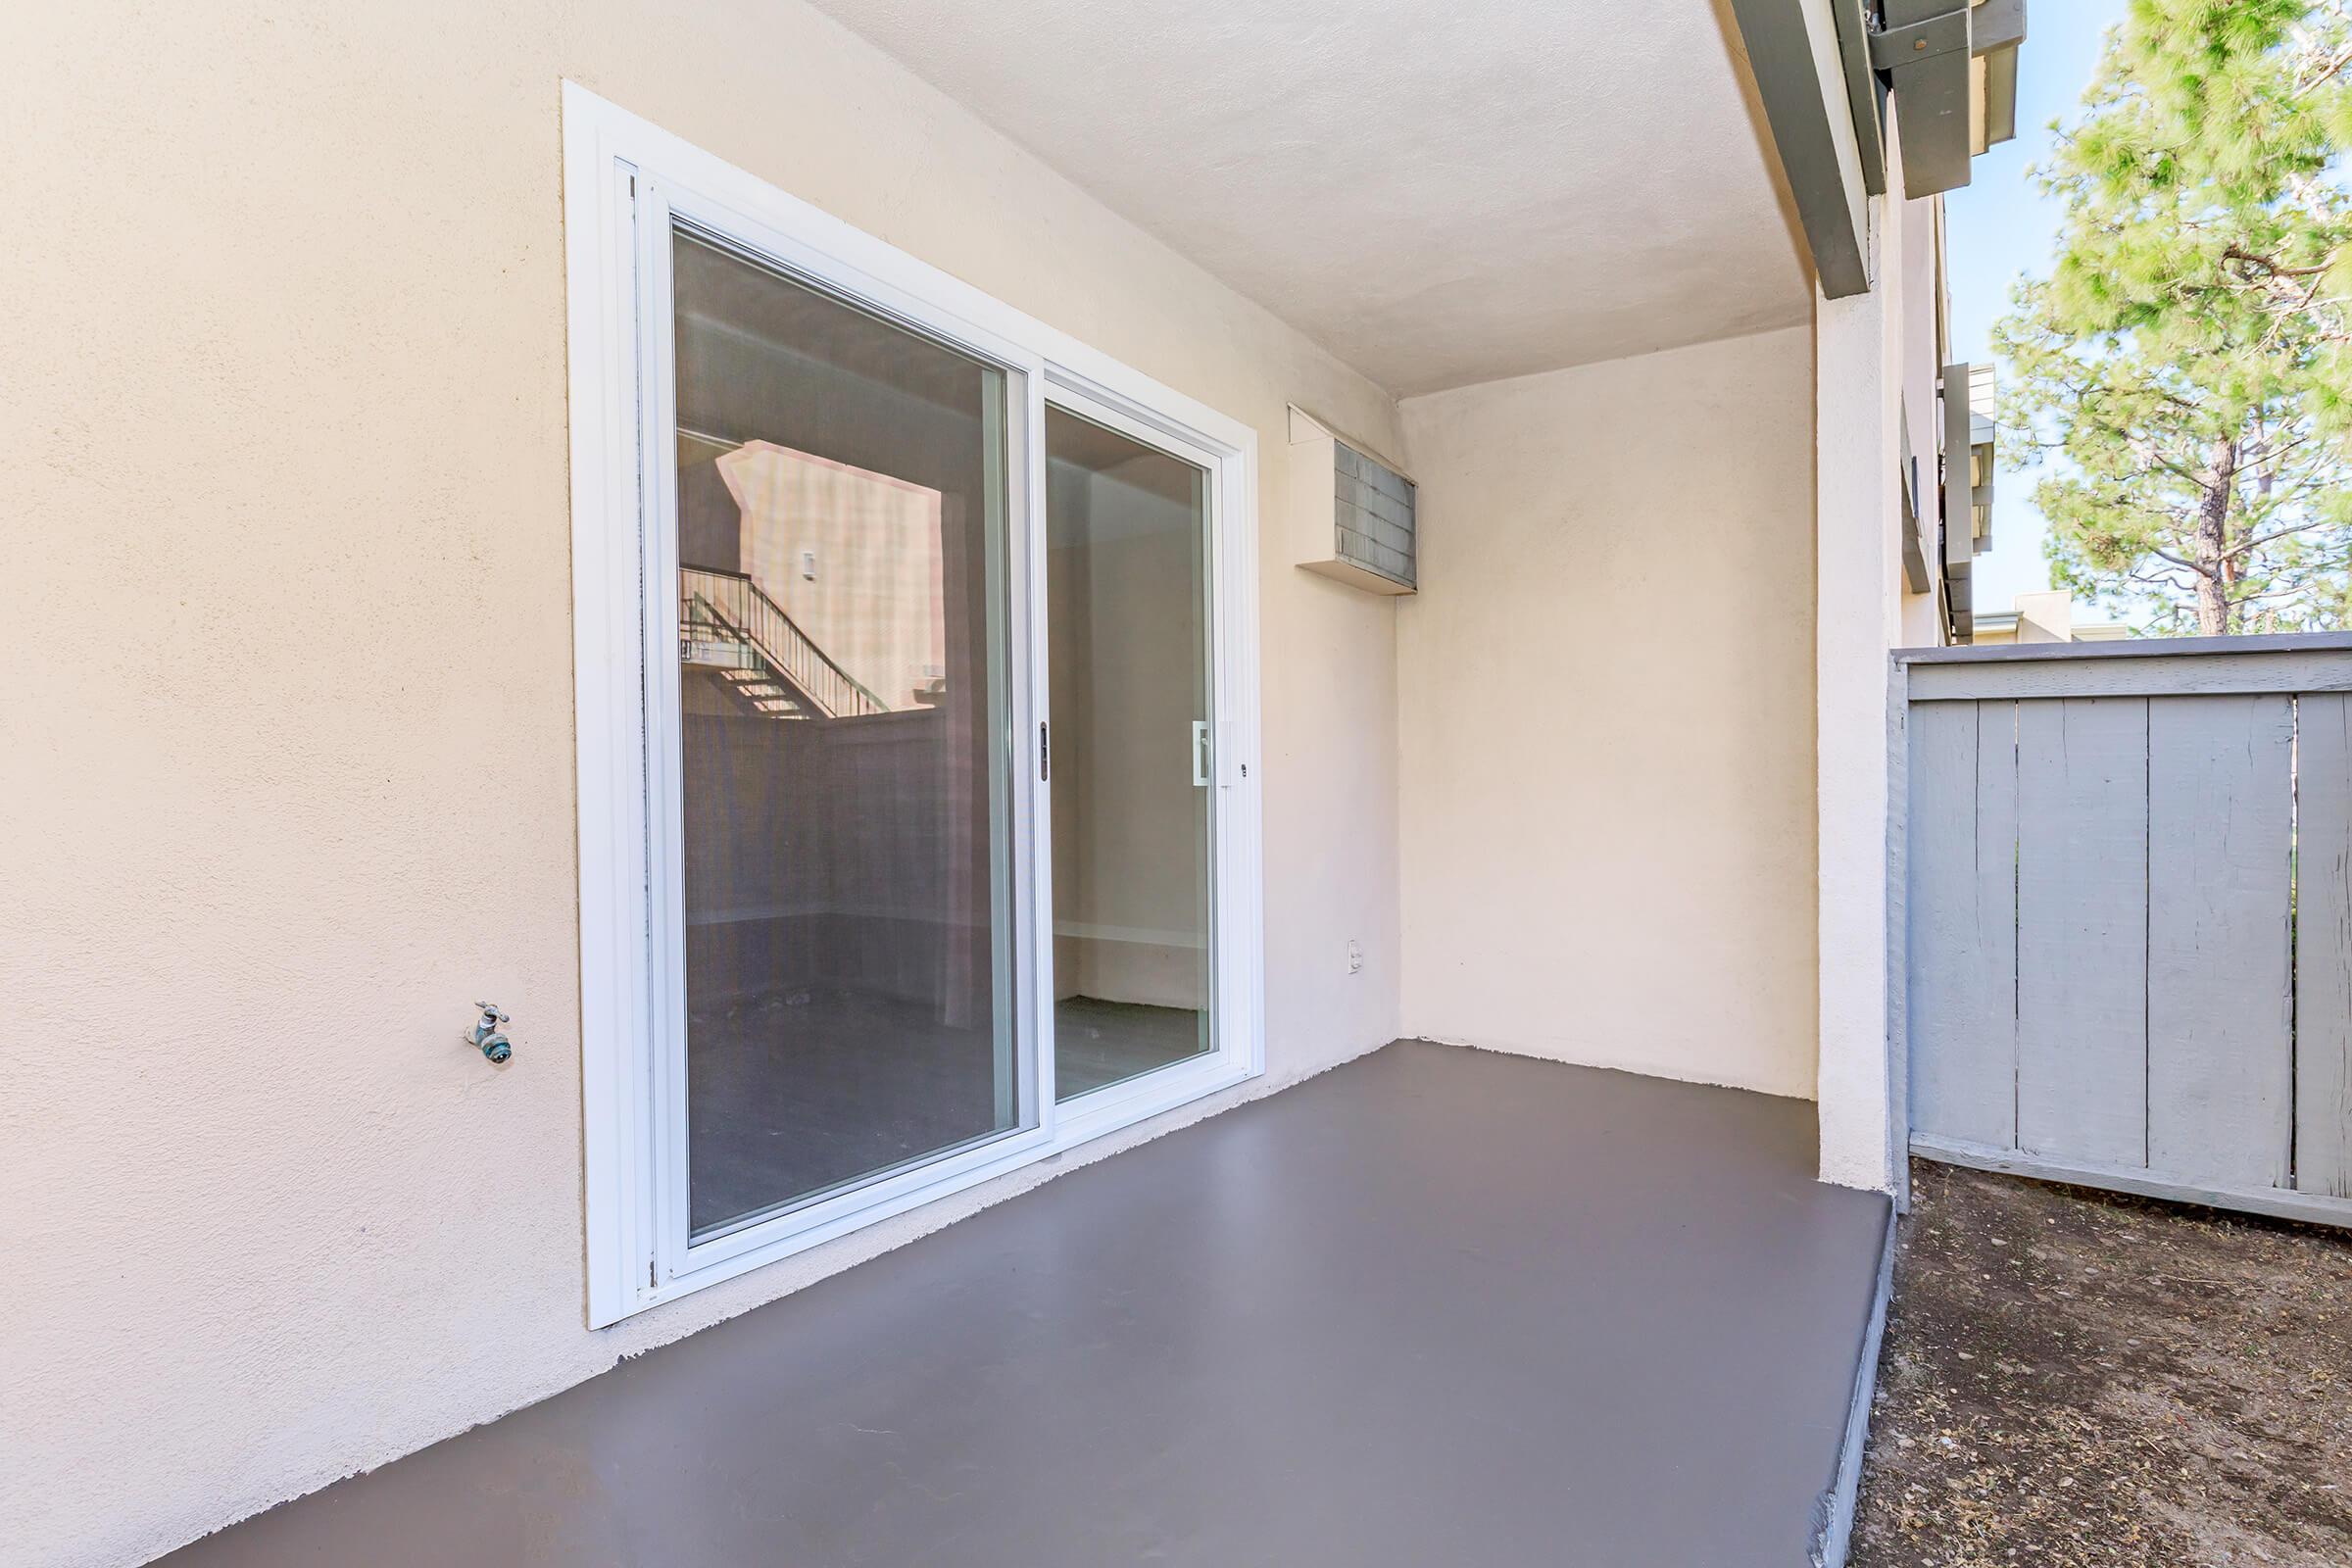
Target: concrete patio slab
1435	1306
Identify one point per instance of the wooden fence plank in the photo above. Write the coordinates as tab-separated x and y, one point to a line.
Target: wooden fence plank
2081	985
1997	890
1961	976
2323	947
2220	1047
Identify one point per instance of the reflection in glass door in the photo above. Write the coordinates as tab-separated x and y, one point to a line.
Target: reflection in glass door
1128	651
842	749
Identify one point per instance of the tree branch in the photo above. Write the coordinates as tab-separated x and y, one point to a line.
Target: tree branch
2260	540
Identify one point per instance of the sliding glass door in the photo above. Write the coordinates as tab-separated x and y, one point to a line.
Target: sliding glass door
843	498
917	832
1128	645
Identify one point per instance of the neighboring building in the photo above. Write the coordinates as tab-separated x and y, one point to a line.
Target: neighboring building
2042	617
1948	473
765	540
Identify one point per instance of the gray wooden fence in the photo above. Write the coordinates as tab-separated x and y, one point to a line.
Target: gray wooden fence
2125	881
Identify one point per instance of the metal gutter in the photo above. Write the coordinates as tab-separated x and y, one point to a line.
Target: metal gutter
1782	62
1952	64
1865	93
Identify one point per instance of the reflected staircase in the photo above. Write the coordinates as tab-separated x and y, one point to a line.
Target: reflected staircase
728	626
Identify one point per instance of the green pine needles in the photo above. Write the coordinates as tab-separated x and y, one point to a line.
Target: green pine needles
2189	360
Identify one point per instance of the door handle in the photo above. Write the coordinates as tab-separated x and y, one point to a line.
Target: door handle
1200	753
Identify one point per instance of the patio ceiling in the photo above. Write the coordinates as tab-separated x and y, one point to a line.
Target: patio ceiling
1440	194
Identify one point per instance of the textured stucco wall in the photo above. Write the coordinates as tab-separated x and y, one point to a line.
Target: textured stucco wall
288	746
1607	721
1859	367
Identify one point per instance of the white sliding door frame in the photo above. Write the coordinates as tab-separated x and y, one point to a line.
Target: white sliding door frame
625	183
1129	1099
663	207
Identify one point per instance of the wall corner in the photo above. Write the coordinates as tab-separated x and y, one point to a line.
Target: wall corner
1858	572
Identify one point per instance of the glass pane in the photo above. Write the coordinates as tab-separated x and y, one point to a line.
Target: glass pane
1127	625
842	513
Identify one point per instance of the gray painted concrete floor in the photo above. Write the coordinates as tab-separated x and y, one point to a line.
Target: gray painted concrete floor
1436	1306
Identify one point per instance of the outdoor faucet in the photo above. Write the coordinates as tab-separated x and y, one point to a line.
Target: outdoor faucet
488	1038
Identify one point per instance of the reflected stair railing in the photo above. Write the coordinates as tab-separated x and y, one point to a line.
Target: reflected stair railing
727	622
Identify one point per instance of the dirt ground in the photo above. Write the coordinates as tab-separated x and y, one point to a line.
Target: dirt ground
2080	1381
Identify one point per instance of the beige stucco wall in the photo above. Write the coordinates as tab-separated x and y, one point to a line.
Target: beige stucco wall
1607	716
1860	356
288	743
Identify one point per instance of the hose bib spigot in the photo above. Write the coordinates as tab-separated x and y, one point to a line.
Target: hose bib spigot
488	1037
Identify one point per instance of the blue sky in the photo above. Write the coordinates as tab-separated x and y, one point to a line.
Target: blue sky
1999	226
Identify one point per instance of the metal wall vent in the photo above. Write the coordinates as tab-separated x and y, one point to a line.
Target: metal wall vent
1375	515
1354	516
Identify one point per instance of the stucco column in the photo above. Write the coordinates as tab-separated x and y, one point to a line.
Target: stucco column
1857	620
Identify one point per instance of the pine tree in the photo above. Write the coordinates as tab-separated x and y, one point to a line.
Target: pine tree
2189	357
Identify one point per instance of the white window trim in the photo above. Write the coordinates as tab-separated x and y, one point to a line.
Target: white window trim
637	1256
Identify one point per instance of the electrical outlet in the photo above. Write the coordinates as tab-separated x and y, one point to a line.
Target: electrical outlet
1356	956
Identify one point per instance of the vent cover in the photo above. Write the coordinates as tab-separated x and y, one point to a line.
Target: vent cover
1375	515
1352	516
